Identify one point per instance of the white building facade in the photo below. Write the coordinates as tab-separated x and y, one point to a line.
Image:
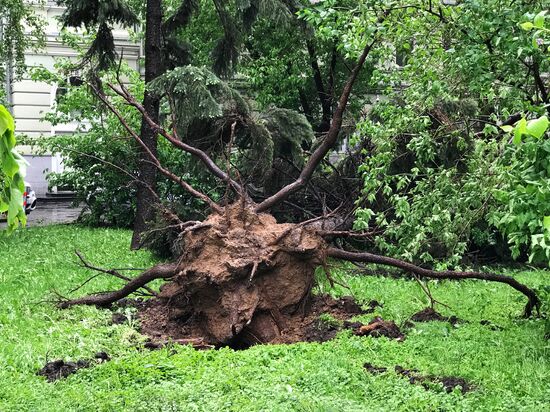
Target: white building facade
31	100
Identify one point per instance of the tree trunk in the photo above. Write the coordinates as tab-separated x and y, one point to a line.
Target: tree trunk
147	171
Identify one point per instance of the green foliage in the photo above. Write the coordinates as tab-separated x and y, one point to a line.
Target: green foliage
205	109
12	174
524	194
510	367
413	176
439	177
101	159
101	16
22	29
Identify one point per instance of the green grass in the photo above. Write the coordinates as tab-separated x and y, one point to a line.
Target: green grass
511	367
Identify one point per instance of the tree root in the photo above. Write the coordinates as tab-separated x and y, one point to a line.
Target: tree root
163	271
533	300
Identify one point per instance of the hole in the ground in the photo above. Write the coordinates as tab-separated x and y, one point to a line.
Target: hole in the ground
242	341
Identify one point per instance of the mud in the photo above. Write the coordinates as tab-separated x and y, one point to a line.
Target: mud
430	314
163	324
59	369
118	319
375	370
491	325
429	382
376	328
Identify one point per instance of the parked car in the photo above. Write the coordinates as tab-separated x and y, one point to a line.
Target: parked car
29	199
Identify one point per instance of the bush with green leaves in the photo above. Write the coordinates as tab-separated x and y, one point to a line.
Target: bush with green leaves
12	173
440	178
427	188
523	195
100	157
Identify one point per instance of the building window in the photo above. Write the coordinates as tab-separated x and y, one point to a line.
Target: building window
61	91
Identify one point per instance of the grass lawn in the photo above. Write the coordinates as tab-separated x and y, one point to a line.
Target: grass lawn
510	367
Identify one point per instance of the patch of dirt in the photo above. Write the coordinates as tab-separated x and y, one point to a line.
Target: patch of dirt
491	325
376	328
449	383
118	318
375	370
372	305
430	314
60	369
165	324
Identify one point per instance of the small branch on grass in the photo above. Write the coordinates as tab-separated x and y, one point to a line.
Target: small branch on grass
428	293
533	300
112	272
162	271
348	234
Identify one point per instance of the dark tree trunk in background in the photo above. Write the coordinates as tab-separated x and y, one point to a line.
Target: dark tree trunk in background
147	170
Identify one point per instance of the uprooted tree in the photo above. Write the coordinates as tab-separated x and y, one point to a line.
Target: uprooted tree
240	271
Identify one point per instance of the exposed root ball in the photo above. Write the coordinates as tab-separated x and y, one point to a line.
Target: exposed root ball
242	272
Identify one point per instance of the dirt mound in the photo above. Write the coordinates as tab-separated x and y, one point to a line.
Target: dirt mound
376	328
60	369
490	325
449	383
263	280
430	314
164	324
375	370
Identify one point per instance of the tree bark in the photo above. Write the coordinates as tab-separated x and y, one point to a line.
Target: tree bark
147	171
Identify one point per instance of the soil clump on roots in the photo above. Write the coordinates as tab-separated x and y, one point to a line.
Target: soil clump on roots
242	279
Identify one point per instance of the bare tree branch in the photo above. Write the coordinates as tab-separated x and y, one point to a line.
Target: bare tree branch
112	272
153	158
201	155
326	145
163	271
533	300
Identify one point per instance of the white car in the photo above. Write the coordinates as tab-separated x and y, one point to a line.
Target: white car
29	199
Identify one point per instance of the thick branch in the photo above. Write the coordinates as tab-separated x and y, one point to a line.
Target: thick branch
201	155
153	158
540	83
328	142
164	271
533	300
112	272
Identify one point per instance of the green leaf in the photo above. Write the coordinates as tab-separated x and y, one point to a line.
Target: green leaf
6	121
546	223
507	128
9	165
537	127
519	130
16	203
527	26
538	21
